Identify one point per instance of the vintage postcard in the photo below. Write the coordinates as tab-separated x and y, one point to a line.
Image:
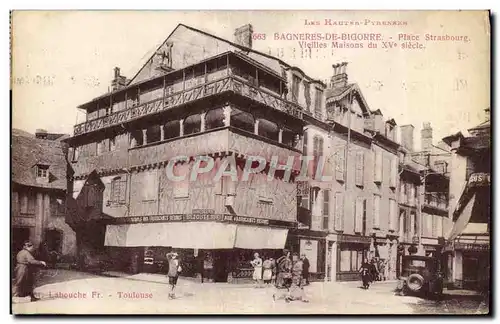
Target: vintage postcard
250	162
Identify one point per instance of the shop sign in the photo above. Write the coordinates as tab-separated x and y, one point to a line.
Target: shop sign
303	188
479	179
355	239
310	249
471	247
199	217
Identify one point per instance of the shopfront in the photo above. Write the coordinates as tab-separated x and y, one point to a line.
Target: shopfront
352	251
228	241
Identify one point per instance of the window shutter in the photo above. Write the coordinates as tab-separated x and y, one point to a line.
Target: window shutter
340	163
304	144
394	172
123	190
376	211
339	211
360	161
378	167
358	221
392	215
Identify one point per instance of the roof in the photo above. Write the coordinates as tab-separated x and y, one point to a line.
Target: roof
28	151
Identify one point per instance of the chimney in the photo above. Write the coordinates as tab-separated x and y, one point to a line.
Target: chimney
41	134
426	136
339	78
243	35
407	136
119	81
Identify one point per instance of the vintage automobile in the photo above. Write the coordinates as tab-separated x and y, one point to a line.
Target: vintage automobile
421	276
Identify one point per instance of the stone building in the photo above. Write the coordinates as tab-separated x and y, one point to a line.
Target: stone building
353	207
468	242
38	192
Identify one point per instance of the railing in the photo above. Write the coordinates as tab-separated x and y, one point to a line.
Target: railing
437	200
171	100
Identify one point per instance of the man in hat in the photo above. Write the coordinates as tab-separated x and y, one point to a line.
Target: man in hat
25	271
174	268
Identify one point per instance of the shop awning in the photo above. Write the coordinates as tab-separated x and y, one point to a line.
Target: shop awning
195	235
253	237
462	220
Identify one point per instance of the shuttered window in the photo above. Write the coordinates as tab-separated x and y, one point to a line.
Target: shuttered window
326	208
340	164
378	167
359	215
339	211
394	173
317	152
360	168
392	215
376	211
118	189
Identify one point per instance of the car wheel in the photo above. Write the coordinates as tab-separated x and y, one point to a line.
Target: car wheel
415	282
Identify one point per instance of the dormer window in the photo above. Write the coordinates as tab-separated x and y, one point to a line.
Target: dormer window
42	171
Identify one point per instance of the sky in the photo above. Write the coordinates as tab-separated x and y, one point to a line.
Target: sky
65	58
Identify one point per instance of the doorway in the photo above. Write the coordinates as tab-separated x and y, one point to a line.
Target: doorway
221	266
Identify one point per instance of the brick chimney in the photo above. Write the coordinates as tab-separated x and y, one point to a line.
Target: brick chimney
339	78
119	81
426	136
407	136
243	35
41	134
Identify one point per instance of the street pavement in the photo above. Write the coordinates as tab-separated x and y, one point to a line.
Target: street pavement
70	292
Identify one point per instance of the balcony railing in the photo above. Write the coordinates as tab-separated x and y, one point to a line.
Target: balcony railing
436	200
230	83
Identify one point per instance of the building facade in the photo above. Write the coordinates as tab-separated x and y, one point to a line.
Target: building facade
468	241
38	194
136	187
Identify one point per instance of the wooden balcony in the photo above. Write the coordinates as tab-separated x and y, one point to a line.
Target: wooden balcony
222	140
230	83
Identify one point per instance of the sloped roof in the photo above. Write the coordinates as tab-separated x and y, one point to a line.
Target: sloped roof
28	151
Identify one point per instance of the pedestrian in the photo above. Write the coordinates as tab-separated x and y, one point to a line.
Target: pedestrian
267	273
208	266
257	269
174	268
25	272
374	274
283	275
305	269
296	291
273	271
365	274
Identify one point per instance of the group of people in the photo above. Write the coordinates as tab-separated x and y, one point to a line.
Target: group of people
371	271
288	273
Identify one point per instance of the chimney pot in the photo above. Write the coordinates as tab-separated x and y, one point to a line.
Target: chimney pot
339	78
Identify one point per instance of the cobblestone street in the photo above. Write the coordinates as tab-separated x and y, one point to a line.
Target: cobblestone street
107	295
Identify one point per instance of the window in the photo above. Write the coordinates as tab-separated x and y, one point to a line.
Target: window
101	147
149	185
360	215
268	129
360	168
242	120
318	104
153	134
340	164
28	202
402	192
376	211
192	124
42	171
317	152
339	211
440	166
214	118
326	208
389	131
378	166
351	260
118	190
136	138
412	195
295	88
75	153
394	173
288	137
392	215
171	129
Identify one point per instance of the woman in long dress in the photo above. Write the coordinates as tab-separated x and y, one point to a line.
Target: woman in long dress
257	269
268	272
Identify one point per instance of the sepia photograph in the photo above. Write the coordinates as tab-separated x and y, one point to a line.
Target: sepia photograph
250	162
